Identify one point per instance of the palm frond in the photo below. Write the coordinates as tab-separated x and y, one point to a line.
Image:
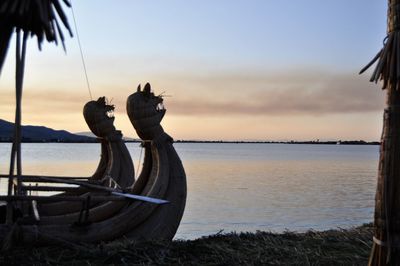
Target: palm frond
38	18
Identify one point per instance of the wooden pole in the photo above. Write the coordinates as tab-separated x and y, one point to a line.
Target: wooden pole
16	146
19	78
19	87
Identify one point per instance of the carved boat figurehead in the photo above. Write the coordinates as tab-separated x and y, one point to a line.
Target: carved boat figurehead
162	175
115	167
99	117
146	110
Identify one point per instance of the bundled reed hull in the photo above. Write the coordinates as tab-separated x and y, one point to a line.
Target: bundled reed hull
162	176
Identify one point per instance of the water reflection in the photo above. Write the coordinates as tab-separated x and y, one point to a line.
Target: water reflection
245	187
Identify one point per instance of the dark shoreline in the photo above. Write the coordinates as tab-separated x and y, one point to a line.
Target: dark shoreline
350	142
332	247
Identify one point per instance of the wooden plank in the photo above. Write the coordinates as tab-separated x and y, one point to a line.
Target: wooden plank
61	198
114	191
142	198
48	188
80	183
27	178
101	188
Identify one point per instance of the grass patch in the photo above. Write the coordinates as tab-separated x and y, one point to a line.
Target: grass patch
333	247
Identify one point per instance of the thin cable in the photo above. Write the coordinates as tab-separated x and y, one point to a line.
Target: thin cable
80	49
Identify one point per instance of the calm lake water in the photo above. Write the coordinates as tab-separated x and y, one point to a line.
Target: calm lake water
245	187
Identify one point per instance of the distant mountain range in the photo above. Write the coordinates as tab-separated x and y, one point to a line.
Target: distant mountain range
40	134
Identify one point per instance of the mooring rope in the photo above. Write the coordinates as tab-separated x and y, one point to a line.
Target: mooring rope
81	51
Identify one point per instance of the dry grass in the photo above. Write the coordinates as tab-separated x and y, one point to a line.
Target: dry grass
333	247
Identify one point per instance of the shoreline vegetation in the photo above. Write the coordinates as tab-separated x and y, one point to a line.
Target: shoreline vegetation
332	247
346	142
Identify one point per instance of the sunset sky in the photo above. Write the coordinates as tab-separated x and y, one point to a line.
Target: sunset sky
232	70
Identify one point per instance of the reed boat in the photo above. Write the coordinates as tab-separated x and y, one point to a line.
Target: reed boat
110	204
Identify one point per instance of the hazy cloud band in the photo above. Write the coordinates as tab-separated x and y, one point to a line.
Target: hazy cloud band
229	94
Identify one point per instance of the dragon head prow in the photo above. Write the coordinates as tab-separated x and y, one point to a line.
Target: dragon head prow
146	110
99	117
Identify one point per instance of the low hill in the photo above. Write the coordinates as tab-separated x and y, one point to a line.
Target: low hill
39	134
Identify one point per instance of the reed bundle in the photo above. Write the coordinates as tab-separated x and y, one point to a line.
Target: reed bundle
386	246
388	58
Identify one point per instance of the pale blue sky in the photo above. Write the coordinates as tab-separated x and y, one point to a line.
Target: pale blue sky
330	33
236	69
